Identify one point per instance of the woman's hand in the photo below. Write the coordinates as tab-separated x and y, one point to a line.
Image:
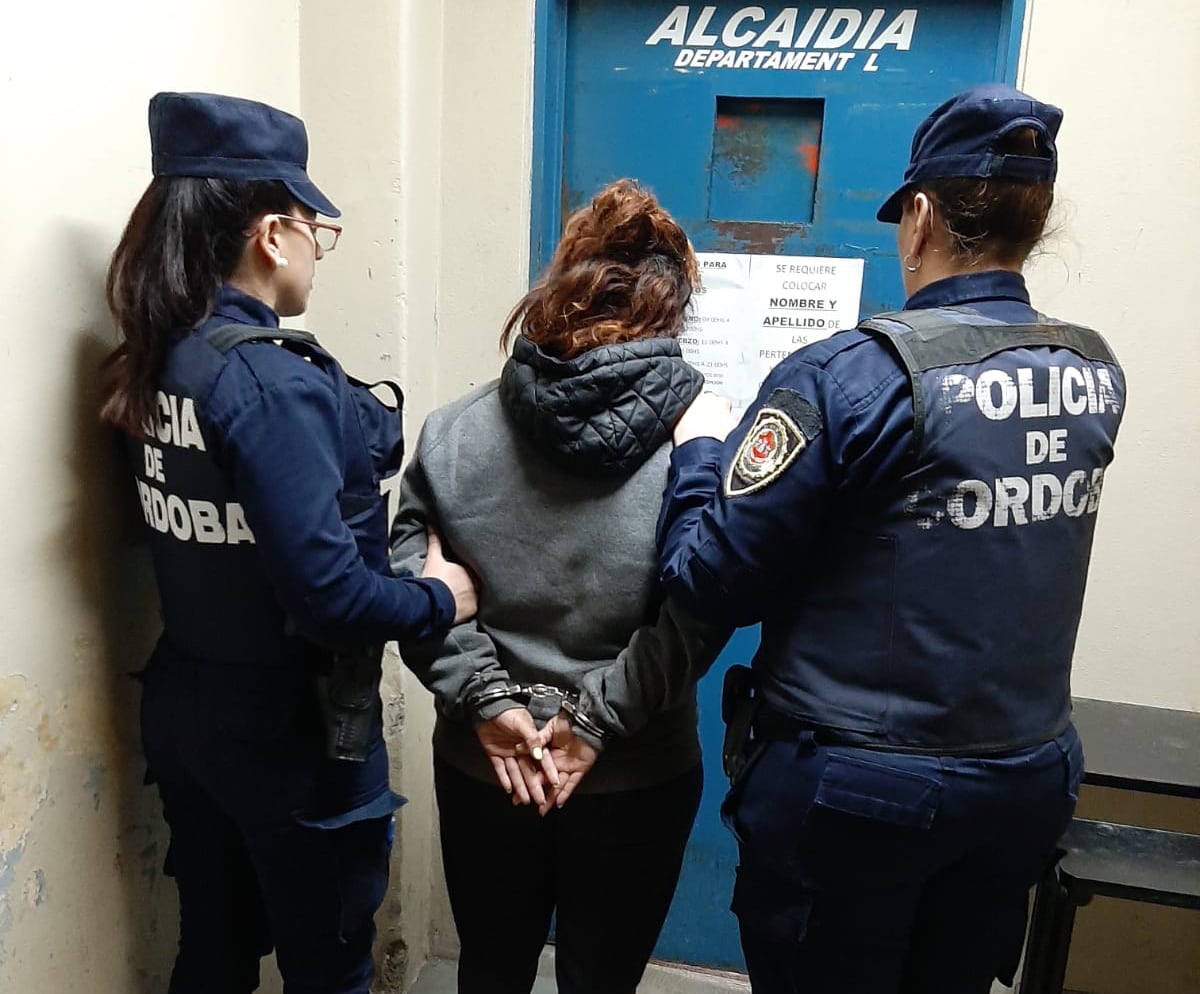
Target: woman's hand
507	738
454	576
710	415
572	756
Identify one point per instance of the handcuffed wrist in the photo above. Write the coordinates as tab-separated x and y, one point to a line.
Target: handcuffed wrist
495	708
493	699
582	722
496	698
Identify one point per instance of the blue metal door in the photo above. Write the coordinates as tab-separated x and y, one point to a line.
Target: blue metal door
771	128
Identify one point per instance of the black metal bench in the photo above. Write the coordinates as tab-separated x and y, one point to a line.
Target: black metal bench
1112	860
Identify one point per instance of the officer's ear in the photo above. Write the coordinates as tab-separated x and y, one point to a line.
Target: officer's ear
921	233
266	242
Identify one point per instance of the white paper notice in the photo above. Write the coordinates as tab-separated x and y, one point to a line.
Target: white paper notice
753	310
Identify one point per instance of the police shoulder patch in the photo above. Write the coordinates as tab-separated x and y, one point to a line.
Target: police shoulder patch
783	428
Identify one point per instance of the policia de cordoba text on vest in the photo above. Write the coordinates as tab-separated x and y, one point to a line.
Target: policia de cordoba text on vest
188	520
1069	389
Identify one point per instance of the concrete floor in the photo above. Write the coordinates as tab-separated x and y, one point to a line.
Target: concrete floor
438	977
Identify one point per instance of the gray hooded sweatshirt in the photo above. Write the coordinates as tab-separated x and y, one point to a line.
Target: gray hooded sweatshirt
547	484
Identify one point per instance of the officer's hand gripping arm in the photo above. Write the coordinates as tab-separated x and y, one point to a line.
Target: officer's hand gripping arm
284	453
729	545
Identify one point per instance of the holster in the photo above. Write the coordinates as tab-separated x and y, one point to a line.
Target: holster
738	704
350	706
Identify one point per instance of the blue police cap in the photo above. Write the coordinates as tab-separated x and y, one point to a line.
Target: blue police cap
217	137
960	138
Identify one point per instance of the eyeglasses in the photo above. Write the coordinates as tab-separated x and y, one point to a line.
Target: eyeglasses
325	233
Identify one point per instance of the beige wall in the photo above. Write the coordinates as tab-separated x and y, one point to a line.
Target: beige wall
1129	210
419	112
83	904
432	258
1124	261
420	116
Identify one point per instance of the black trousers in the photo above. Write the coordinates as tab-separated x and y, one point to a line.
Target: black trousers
606	863
272	845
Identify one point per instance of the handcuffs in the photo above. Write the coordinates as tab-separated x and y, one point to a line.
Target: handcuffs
535	693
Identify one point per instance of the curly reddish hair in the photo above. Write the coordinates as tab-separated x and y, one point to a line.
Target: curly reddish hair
623	271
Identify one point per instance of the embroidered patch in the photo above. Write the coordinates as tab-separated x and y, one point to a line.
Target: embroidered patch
768	448
780	432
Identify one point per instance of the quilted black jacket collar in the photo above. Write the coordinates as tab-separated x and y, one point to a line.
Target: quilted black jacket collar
604	412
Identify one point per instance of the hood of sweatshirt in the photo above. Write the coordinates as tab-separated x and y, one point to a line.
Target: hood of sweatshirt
604	412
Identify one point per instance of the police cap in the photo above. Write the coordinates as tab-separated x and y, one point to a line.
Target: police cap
960	138
218	137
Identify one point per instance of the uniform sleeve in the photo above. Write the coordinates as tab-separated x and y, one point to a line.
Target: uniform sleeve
739	519
655	672
284	450
464	661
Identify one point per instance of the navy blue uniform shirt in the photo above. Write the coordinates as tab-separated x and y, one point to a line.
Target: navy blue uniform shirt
265	516
920	601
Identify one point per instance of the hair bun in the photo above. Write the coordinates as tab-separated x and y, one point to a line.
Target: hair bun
626	223
623	271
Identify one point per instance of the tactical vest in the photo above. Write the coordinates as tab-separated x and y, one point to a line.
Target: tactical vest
940	615
217	601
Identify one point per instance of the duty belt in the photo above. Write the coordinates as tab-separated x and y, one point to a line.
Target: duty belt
772	725
777	726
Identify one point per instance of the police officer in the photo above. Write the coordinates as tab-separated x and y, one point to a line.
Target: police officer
908	509
257	464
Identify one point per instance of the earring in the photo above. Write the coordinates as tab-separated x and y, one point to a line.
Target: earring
281	262
909	268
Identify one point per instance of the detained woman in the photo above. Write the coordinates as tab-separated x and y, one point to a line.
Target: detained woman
547	483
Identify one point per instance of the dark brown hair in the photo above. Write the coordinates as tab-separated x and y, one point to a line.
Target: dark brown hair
183	240
994	218
623	271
